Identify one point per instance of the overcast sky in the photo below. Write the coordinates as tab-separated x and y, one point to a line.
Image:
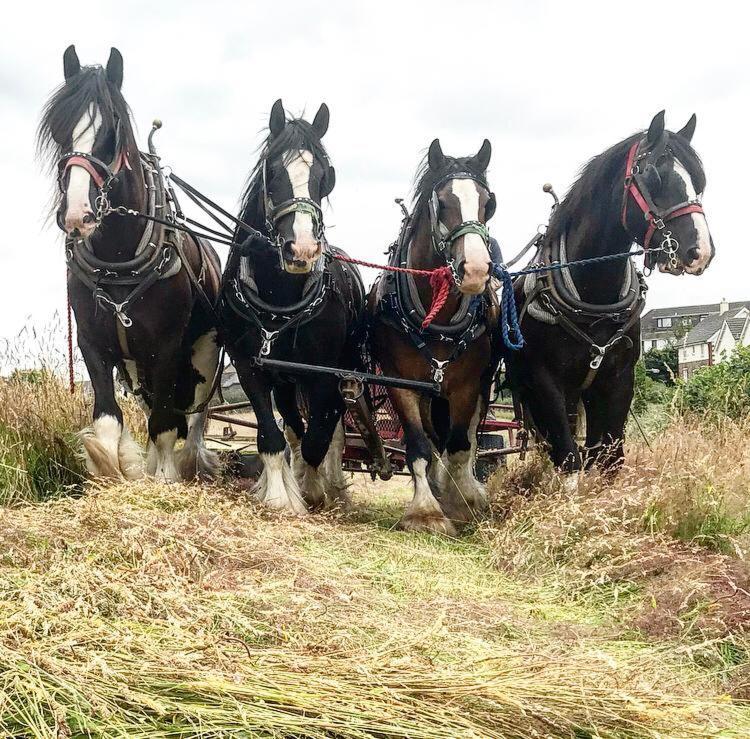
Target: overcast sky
549	83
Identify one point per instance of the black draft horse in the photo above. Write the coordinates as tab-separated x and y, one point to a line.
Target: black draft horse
134	285
582	324
293	302
452	203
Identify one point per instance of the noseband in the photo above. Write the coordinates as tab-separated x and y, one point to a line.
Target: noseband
274	213
103	175
443	240
656	218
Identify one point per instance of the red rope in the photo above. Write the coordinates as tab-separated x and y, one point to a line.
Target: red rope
71	377
441	280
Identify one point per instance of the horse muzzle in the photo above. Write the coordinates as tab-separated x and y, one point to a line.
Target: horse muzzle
79	223
300	259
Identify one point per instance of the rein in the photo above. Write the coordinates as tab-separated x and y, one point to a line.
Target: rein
441	279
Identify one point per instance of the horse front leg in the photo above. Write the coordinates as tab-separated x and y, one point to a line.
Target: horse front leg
546	402
325	409
607	404
165	425
277	487
464	495
285	395
423	512
109	450
195	459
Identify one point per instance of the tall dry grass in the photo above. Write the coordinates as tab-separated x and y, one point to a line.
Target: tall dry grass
40	454
671	531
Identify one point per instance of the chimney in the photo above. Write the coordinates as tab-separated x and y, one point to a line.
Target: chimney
723	306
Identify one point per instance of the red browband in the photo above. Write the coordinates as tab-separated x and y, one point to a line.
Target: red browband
81	161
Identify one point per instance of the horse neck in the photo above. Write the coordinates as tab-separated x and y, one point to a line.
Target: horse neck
596	232
275	285
422	255
117	239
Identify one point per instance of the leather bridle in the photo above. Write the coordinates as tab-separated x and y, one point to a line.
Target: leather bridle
442	238
639	156
274	213
104	175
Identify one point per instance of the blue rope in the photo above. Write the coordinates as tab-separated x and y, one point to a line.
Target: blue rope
508	313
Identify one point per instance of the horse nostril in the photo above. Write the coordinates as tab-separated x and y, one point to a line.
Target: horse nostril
88	218
693	254
75	233
286	250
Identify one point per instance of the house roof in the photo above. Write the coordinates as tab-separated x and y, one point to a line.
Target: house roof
691	310
707	328
736	325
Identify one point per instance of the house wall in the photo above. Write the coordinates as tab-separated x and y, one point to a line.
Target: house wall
686	369
693	353
656	344
725	345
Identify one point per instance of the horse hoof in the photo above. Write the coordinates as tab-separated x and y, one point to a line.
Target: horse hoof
292	507
433	523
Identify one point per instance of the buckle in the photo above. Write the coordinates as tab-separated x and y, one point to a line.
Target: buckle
268	339
598	358
438	369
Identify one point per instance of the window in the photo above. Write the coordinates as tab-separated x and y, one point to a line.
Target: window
664	323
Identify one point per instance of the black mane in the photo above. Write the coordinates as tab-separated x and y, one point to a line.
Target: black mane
70	102
592	192
297	134
426	179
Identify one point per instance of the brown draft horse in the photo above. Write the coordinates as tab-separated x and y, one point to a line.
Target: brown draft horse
452	203
140	291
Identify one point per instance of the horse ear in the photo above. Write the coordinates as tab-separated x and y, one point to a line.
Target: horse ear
328	183
688	129
320	122
277	121
114	68
435	156
656	129
71	65
482	158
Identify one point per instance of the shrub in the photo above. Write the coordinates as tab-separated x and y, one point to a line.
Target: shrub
647	391
720	391
661	364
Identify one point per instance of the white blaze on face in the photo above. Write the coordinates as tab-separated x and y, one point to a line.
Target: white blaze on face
476	267
306	246
703	241
79	180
